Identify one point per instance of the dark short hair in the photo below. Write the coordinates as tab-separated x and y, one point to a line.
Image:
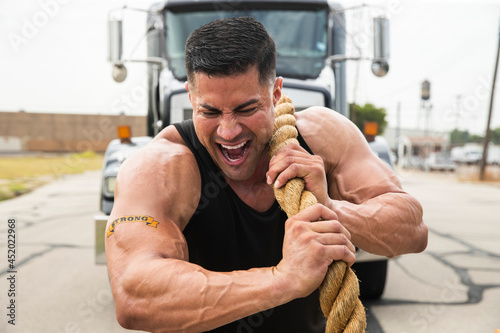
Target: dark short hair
230	46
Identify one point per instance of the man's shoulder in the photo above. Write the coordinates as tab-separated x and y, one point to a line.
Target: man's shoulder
320	125
169	138
336	139
167	151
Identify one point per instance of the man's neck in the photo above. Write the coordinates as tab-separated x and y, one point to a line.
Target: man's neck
255	191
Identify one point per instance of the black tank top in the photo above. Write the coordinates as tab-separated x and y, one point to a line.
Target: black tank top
225	234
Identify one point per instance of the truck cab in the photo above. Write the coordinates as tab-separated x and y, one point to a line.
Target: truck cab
310	38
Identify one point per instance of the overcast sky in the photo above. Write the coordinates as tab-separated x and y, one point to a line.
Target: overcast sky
53	59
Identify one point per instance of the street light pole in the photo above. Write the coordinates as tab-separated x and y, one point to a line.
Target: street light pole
426	105
488	131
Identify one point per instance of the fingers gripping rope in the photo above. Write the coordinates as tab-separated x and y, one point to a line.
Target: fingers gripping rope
340	289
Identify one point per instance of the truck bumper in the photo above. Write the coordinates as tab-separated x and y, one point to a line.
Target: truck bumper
100	228
363	256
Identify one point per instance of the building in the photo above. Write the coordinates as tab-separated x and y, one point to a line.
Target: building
54	132
413	146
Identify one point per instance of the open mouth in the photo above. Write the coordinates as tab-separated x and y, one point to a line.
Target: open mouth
235	154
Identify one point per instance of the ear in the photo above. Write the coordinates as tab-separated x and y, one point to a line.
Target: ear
186	85
277	90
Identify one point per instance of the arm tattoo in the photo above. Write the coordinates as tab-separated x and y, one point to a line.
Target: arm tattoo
150	221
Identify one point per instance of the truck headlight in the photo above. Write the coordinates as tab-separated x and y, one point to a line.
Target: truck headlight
109	186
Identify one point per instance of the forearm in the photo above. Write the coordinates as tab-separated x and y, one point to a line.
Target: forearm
169	295
389	225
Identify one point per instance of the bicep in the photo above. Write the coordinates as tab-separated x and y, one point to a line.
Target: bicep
354	173
152	205
138	230
359	174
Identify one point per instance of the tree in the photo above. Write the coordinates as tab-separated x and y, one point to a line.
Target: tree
495	136
368	112
476	138
459	137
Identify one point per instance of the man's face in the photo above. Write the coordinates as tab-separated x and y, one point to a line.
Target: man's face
234	118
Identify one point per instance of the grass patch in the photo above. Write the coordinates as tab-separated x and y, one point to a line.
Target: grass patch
21	174
471	173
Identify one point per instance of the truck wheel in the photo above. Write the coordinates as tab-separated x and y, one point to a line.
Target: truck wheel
149	126
371	276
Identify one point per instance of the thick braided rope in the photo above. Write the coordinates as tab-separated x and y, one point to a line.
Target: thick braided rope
340	289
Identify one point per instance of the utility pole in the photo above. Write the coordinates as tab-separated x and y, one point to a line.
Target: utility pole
398	126
457	113
484	159
426	105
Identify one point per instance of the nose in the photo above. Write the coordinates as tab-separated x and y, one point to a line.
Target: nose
229	127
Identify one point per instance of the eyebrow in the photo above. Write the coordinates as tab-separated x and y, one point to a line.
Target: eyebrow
238	108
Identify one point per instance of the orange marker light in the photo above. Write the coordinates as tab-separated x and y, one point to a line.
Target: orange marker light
371	128
124	133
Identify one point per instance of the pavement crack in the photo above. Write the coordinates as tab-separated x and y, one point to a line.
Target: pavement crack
50	248
413	276
25	224
474	291
24	261
473	249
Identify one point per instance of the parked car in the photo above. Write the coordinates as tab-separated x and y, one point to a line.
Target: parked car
439	162
470	153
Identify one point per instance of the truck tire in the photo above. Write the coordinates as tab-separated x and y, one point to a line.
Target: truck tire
371	276
149	125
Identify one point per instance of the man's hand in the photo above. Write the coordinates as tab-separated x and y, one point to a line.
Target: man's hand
309	247
293	161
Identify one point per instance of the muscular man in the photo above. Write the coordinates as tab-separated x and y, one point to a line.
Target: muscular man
196	240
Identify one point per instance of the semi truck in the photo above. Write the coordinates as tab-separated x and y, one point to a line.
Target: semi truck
310	37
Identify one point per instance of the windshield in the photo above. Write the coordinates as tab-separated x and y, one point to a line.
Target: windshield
300	37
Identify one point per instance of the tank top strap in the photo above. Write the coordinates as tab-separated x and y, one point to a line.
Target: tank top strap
188	134
303	143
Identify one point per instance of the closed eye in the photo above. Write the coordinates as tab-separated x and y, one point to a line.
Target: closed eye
209	114
208	111
247	111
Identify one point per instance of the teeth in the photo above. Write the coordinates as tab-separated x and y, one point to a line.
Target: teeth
234	147
229	158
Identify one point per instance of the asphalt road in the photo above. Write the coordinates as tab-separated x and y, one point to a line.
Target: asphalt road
454	286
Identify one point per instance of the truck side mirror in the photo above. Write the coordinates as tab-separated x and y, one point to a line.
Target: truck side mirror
115	40
380	63
119	72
